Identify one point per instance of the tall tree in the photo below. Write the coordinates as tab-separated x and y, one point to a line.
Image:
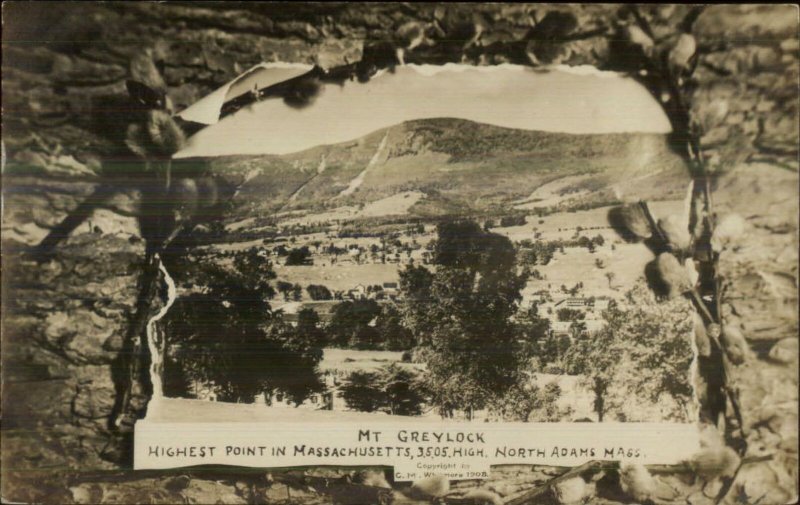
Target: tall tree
404	393
392	333
657	337
654	339
309	328
461	316
568	314
537	337
350	324
595	357
297	292
224	333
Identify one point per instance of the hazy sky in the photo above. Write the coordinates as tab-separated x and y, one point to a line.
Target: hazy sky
577	100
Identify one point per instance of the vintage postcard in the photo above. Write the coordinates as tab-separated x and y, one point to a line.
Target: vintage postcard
417	277
394	253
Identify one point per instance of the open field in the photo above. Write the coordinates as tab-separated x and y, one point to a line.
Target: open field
175	410
339	276
624	262
349	360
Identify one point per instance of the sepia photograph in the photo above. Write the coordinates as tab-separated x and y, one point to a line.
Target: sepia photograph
549	253
409	270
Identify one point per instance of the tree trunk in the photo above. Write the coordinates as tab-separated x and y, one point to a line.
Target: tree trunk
599	399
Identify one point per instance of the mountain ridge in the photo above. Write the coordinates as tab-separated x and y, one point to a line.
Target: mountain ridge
474	165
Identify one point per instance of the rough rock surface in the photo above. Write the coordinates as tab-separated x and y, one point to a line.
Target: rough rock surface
64	64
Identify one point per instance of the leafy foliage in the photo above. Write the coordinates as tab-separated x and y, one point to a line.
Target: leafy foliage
542	252
360	392
518	220
461	316
299	256
309	329
596	357
657	336
224	334
392	389
527	402
319	292
646	336
389	325
568	314
285	288
350	324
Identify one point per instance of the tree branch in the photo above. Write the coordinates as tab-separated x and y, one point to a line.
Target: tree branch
535	496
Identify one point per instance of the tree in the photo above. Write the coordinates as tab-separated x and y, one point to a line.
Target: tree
350	324
360	391
392	389
319	292
598	240
535	331
415	282
404	396
657	337
461	316
527	402
568	314
527	256
297	292
308	328
226	334
176	380
576	329
644	336
394	335
374	250
596	358
285	288
292	368
507	221
547	350
299	256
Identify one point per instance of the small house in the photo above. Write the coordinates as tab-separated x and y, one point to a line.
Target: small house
357	293
391	289
574	303
559	328
601	304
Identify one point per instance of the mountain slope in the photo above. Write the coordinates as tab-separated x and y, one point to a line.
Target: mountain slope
458	164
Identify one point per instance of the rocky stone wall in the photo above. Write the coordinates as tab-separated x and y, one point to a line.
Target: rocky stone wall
64	64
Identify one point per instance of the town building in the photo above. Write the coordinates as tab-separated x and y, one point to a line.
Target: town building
391	290
357	293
